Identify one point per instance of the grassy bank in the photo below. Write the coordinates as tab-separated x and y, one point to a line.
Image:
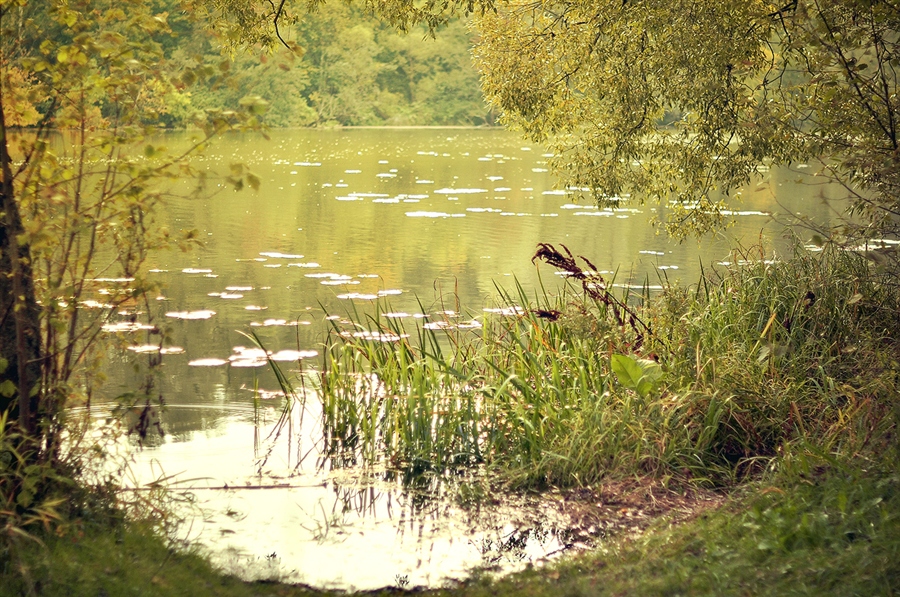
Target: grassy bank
772	382
834	530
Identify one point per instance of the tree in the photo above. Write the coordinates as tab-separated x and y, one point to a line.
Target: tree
78	197
682	102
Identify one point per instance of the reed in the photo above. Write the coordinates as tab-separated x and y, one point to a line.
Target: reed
566	388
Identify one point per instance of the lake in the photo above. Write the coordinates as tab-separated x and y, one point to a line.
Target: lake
428	221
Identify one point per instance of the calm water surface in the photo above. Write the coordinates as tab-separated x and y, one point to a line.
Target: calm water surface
427	219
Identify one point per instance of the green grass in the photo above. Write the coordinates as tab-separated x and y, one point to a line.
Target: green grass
707	384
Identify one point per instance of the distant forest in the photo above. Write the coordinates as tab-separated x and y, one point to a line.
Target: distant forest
353	71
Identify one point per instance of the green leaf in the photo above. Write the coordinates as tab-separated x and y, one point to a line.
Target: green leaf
640	375
7	388
627	370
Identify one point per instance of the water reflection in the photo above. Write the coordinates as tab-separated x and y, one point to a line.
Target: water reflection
426	221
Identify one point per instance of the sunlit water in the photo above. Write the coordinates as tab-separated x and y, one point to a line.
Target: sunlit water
429	220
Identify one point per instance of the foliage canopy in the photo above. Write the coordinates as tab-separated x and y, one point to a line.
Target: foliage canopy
683	102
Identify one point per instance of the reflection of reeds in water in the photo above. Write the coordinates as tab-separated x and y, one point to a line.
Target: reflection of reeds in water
294	403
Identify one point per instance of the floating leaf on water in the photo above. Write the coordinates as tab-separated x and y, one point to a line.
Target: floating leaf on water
248	362
446	191
327	275
243	352
446	325
126	326
469	325
207	362
375	336
728	212
357	296
432	214
92	304
514	310
203	314
745	262
293	355
638	286
144	348
275	322
275	255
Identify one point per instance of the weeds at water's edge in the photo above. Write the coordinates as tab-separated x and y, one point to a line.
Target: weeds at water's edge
705	384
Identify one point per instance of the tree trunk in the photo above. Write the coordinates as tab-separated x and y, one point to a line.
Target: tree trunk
20	340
